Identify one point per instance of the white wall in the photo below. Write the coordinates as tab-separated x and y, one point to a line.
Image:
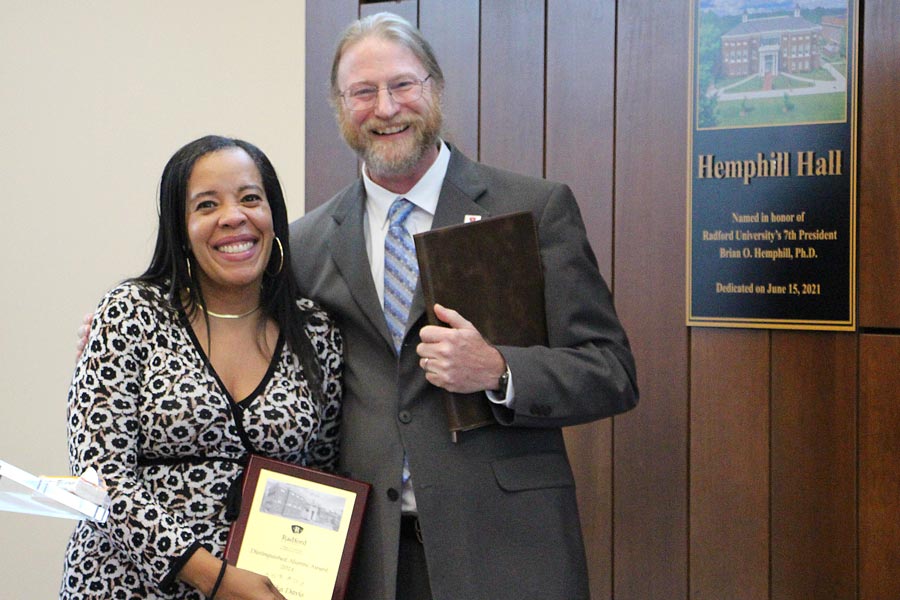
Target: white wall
95	95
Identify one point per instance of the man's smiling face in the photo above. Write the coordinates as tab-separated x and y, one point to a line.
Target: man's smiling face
393	139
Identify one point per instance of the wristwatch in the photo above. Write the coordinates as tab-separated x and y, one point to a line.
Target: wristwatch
502	383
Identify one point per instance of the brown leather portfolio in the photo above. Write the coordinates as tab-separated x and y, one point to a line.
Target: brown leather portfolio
490	272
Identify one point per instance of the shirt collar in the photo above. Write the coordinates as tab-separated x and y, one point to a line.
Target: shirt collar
424	194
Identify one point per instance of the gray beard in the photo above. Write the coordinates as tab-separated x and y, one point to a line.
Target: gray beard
376	163
380	166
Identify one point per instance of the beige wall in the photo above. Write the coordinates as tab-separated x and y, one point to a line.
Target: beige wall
94	97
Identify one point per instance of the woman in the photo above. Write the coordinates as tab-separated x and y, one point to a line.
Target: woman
204	359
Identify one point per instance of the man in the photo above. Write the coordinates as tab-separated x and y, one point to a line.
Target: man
492	516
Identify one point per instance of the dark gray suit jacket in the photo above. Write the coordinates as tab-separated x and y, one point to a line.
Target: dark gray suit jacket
497	508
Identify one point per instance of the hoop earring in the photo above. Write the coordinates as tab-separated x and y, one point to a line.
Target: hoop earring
280	262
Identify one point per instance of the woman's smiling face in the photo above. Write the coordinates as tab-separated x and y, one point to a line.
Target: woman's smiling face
229	222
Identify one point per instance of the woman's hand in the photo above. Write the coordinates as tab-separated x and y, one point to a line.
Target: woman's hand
83	331
240	584
202	570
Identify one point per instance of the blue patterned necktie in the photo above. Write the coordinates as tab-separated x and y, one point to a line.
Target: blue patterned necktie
401	271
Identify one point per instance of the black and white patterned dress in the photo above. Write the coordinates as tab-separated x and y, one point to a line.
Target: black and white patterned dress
148	411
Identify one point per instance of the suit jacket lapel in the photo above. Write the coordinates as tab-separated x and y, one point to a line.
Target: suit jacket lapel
348	248
459	196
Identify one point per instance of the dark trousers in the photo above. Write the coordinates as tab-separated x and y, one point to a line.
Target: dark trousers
412	570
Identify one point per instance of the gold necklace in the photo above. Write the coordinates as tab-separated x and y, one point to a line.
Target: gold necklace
225	316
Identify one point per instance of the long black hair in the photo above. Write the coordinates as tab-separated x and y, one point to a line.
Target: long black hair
173	264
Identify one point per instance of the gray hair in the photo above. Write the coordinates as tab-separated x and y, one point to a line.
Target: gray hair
391	27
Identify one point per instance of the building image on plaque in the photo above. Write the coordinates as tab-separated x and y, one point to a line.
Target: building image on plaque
302	504
771	62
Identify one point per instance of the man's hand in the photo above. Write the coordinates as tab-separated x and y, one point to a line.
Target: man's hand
456	357
83	331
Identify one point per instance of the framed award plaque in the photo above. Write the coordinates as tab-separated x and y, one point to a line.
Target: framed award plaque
299	527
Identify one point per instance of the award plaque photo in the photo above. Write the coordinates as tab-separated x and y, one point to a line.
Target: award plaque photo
299	527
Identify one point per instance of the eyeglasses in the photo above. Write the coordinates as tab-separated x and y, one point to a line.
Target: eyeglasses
362	96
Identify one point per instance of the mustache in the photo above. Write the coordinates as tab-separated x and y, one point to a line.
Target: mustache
374	123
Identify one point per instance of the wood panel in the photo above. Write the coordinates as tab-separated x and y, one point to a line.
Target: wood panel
813	464
408	9
879	183
590	452
580	91
729	480
452	29
511	124
879	467
330	164
650	443
582	34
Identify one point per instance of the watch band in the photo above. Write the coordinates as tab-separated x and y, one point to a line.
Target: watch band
503	383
